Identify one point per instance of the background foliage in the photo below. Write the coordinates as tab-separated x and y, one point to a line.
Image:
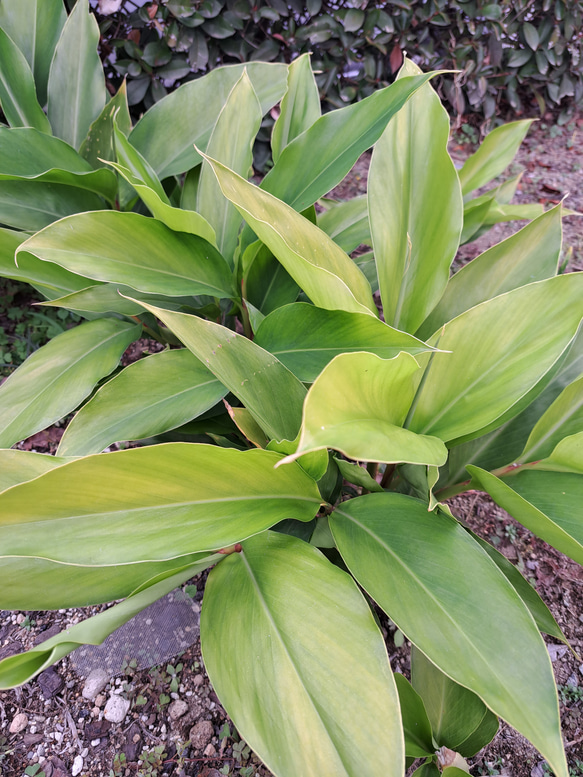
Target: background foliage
512	56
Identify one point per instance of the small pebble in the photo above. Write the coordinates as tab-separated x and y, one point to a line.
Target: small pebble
177	709
77	767
19	723
116	709
95	683
20	618
210	751
198	680
201	734
95	742
99	700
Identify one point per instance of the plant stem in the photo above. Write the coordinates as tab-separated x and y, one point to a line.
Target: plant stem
387	475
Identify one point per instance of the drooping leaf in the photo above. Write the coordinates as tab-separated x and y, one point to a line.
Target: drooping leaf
532	254
297	665
347	223
21	668
358	475
130	159
35	26
454	604
327	275
319	158
493	156
17	92
99	144
306	338
19	466
455	712
153	503
57	377
300	106
416	725
357	406
181	110
76	86
235	150
134	250
31	205
256	377
547	503
415	207
147	398
107	298
467	389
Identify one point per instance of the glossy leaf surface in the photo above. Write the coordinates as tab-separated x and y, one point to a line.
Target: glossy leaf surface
58	376
17	91
19	466
147	398
417	565
297	665
300	106
416	725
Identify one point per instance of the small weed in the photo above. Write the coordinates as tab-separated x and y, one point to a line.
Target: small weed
555	131
467	134
27	624
34	770
152	761
119	765
511	532
570	694
491	768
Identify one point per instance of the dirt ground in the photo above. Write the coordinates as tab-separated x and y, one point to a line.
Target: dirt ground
175	724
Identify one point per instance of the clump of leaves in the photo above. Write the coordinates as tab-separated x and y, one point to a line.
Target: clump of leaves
285	383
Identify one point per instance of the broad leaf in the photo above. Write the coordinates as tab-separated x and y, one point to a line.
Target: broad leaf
19	466
256	377
300	106
453	603
493	156
170	154
107	298
455	712
153	503
35	26
567	456
31	205
130	159
57	377
500	350
18	669
149	397
532	254
234	148
99	144
295	666
130	249
357	475
357	406
319	158
306	338
416	725
17	93
266	284
415	208
76	87
547	503
562	419
347	222
327	275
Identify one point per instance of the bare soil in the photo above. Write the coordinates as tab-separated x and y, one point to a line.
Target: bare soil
65	734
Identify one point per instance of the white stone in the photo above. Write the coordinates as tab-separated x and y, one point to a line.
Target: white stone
19	723
95	682
95	742
77	767
177	709
116	709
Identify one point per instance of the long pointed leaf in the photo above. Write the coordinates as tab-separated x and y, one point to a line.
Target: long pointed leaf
300	106
17	93
309	686
99	144
19	466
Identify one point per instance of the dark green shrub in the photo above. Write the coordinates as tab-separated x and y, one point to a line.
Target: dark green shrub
513	55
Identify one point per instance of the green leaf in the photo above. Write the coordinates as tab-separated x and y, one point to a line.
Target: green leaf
347	409
131	160
18	669
107	298
547	503
461	394
358	476
416	725
234	149
562	419
319	158
26	154
493	156
99	144
353	20
306	338
57	377
415	208
134	250
455	712
567	456
531	35
287	684
347	222
192	112
256	377
153	503
266	284
327	275
452	602
147	398
532	254
76	86
17	92
35	26
32	205
300	106
19	466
